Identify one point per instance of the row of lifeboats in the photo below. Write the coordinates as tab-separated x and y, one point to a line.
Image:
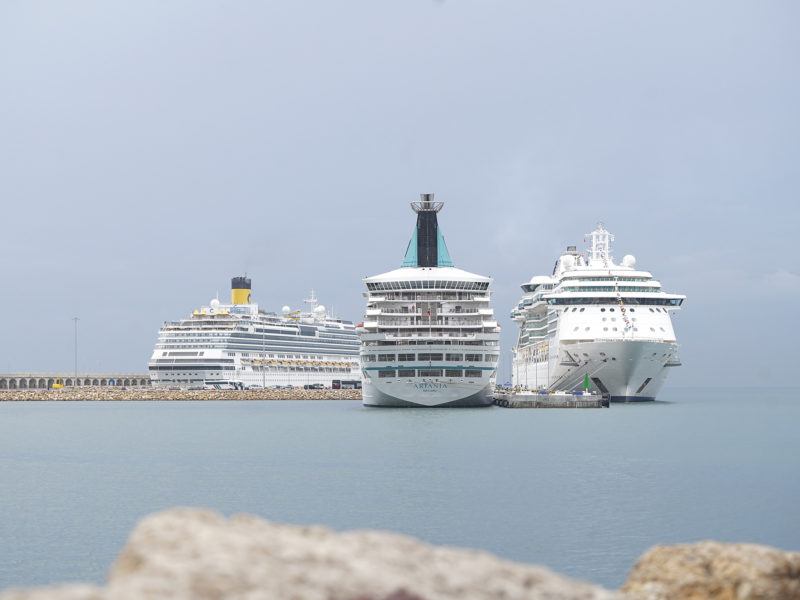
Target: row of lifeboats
300	363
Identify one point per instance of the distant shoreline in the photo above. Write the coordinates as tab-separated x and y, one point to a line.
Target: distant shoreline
104	394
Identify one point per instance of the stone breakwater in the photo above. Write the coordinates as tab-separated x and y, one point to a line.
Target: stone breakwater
151	394
197	554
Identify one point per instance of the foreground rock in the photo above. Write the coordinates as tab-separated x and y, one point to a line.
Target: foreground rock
200	555
717	571
197	554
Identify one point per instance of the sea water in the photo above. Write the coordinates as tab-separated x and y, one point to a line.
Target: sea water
582	491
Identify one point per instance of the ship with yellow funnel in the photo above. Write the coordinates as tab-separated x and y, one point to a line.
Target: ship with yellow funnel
240	345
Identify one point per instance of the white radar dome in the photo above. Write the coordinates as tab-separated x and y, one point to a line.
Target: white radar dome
214	304
568	261
320	310
629	260
286	310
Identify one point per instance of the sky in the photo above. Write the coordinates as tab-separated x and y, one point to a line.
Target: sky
150	151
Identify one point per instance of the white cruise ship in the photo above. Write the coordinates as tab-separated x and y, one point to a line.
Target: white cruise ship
429	337
592	317
239	345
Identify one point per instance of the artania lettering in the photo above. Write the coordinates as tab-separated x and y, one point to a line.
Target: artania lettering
429	387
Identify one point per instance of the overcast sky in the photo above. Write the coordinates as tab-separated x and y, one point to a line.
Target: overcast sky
150	151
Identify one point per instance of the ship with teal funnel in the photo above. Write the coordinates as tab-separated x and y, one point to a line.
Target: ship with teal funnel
429	336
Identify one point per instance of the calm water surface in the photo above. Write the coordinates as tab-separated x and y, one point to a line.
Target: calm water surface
584	492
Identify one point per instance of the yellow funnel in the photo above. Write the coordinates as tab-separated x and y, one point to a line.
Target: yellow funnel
240	290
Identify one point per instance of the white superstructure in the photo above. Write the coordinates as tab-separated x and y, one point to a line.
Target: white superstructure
597	319
429	336
241	345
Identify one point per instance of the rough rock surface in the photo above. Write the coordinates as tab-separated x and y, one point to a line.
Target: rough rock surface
199	555
716	571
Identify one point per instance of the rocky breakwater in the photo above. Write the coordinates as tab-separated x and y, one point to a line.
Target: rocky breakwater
153	394
200	555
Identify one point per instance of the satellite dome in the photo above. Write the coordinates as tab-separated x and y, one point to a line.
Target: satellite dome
286	310
629	260
319	310
568	261
214	304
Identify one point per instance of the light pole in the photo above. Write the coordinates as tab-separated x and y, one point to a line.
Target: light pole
75	380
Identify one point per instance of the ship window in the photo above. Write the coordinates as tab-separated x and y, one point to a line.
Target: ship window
472	357
604	318
453	373
587	329
385	374
662	329
613	318
611	310
472	373
425	356
602	310
576	329
386	357
430	372
582	309
651	310
605	328
405	373
453	357
632	310
405	357
615	328
602	354
652	329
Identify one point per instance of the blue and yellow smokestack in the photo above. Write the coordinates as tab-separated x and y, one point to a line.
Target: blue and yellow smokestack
240	290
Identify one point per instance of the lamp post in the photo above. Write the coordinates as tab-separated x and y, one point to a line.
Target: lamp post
75	380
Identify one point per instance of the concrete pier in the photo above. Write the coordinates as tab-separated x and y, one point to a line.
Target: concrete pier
45	381
533	400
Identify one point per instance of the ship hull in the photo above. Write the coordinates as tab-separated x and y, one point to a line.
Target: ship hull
625	370
423	394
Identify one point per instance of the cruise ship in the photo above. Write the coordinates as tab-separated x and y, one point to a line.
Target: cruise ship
240	346
595	320
429	336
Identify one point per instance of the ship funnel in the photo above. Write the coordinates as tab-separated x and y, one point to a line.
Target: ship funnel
427	247
240	290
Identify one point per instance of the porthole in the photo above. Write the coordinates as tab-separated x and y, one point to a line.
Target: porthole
576	329
605	328
604	318
651	310
582	309
613	318
602	310
602	354
652	329
587	329
662	329
615	328
586	355
613	358
611	310
633	310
